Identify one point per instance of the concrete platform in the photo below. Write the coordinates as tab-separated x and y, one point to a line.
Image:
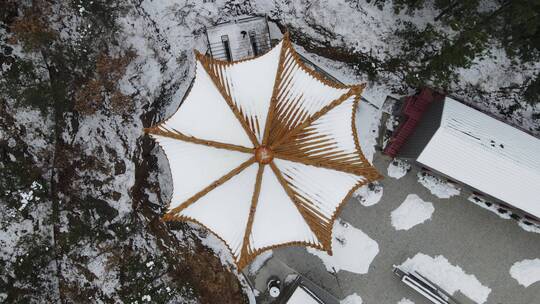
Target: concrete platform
477	240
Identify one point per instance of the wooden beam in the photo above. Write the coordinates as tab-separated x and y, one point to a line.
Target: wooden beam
321	231
211	187
245	252
177	135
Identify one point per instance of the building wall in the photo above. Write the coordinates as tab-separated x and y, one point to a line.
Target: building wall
241	35
422	134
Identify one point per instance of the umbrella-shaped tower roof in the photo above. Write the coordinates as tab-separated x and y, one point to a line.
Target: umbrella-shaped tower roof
263	152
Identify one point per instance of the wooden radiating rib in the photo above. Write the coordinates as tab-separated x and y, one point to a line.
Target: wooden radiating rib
307	122
178	135
322	232
308	147
245	252
287	117
219	82
323	153
290	114
210	187
275	90
367	171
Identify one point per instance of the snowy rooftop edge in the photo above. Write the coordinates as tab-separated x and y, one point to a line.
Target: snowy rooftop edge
486	154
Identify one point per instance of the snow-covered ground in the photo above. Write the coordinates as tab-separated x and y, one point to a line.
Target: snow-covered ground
398	168
352	250
369	31
479	201
163	34
529	228
259	261
411	212
352	299
370	194
28	196
501	212
437	186
526	272
449	277
11	234
405	301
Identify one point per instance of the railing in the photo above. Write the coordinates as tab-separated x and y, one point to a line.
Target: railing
218	51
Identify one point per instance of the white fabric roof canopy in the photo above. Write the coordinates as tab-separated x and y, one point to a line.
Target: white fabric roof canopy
486	154
263	152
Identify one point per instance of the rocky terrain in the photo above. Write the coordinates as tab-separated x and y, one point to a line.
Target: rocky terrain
82	189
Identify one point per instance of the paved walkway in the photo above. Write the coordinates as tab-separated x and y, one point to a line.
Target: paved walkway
475	239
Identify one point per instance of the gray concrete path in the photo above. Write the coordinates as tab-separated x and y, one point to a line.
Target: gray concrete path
475	239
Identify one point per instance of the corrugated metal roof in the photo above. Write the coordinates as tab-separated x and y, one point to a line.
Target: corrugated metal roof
486	154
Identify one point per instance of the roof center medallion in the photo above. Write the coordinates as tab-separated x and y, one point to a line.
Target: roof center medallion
264	155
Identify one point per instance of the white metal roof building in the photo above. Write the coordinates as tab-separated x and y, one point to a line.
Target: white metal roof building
480	151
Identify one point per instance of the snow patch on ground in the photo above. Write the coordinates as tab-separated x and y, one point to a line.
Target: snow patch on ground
370	194
438	187
398	168
108	279
28	196
529	228
353	250
488	206
37	126
259	262
411	212
526	272
450	278
352	299
502	213
121	140
405	301
10	235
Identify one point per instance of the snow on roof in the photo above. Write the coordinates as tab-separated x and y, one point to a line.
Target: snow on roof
263	152
486	154
449	277
300	296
